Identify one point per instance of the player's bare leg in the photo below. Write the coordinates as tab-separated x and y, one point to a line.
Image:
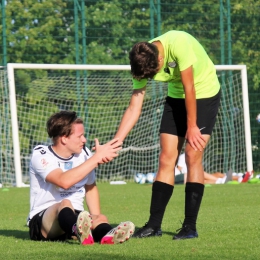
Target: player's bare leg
193	191
60	218
163	185
50	224
170	149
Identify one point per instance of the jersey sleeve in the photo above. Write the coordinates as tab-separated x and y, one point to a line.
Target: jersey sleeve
43	164
138	84
91	178
184	52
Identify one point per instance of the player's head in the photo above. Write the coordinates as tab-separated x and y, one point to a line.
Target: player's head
144	60
61	123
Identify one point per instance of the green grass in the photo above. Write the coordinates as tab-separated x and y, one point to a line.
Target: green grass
228	226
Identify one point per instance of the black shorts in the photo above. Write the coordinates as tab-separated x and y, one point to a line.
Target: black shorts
174	118
35	225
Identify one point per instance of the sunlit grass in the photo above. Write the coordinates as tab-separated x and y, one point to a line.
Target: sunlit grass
228	225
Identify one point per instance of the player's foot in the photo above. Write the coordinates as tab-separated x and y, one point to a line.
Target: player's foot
83	228
185	232
247	176
146	231
119	234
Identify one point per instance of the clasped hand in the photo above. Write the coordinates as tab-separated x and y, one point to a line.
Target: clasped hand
107	152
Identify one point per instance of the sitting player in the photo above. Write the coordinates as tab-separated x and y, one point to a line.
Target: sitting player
213	178
62	174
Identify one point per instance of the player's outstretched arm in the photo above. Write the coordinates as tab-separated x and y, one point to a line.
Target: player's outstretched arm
131	114
66	179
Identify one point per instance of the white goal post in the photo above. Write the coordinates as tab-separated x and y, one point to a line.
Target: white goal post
216	150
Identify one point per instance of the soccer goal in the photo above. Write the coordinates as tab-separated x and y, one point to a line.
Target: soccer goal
100	94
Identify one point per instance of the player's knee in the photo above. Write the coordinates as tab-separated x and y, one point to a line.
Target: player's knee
193	158
166	160
65	203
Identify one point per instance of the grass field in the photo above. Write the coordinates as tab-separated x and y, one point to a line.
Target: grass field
228	226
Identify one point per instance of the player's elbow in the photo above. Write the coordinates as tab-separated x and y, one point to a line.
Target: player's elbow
59	179
64	184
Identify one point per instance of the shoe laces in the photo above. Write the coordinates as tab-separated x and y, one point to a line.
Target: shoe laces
112	231
185	228
146	226
142	228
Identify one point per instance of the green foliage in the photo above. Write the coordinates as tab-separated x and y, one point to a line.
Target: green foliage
44	31
33	129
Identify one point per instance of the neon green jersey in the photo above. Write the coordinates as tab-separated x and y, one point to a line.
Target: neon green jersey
182	50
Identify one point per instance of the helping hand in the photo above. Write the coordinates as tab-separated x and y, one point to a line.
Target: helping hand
108	151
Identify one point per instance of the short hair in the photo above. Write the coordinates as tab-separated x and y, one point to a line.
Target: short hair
60	124
144	60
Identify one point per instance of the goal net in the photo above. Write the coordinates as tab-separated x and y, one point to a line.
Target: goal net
100	94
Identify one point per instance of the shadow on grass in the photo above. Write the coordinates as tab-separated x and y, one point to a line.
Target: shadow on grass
163	231
19	234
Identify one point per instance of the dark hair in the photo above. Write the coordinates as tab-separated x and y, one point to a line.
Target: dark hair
60	124
144	60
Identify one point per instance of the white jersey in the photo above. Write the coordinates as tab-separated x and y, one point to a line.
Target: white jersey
45	194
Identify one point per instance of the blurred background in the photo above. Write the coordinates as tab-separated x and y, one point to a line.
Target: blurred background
103	32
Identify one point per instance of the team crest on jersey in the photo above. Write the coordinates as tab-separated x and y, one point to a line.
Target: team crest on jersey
68	165
172	64
42	151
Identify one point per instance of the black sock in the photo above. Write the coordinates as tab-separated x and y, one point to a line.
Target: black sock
67	219
161	194
100	231
193	197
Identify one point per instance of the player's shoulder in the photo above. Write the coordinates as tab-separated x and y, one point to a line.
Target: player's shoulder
41	149
174	34
86	151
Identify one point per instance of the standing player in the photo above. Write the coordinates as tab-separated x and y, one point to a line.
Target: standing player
62	174
189	113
